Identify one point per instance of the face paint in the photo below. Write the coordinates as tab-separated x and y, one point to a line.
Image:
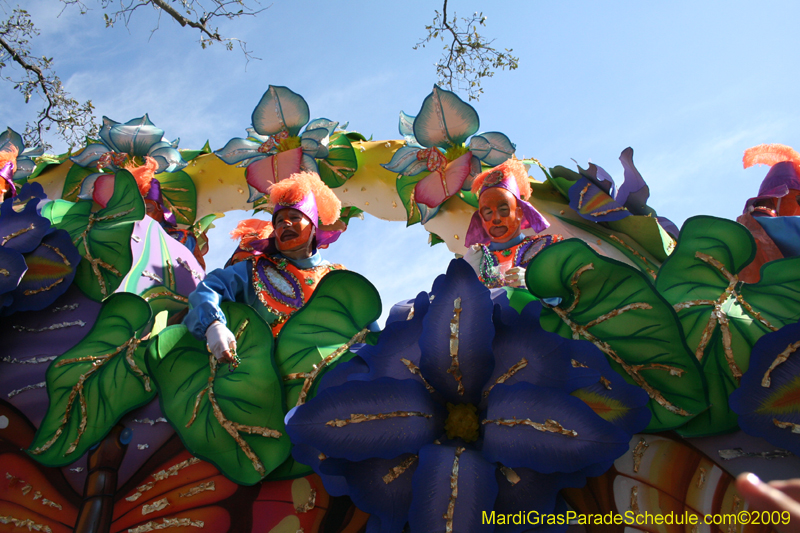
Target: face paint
500	214
790	204
293	230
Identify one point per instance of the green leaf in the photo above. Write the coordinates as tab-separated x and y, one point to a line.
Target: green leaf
562	178
102	238
405	189
73	181
341	162
617	308
337	315
179	195
721	317
227	417
434	239
44	161
95	383
188	155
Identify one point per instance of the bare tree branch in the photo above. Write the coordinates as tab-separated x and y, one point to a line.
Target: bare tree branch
469	56
72	120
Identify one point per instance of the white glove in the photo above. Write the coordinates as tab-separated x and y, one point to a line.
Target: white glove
221	341
515	277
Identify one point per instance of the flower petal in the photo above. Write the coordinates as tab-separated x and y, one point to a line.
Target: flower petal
22	231
105	130
237	150
328	125
406	125
426	213
592	203
402	311
469	485
445	120
265	173
335	484
524	490
386	436
11	273
308	164
168	158
634	192
280	109
404	161
90	155
547	356
520	445
136	137
458	321
437	187
368	487
492	147
103	188
12	138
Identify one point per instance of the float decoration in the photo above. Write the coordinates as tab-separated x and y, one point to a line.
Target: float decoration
436	164
102	237
38	260
275	149
92	385
766	399
442	402
231	417
617	308
17	163
721	317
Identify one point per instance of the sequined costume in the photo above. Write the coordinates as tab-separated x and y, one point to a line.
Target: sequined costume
492	264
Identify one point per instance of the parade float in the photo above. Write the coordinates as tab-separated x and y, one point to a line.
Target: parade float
593	386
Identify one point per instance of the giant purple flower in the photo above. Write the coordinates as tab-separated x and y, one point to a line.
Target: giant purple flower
464	407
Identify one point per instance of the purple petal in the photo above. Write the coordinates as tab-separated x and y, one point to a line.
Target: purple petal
521	445
400	432
280	109
475	490
11	273
461	302
634	192
547	356
533	492
22	231
367	486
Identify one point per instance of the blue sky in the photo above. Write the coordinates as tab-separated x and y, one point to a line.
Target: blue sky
689	85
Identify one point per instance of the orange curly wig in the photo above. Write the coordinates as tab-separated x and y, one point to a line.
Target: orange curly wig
252	229
770	154
510	168
293	189
9	154
143	174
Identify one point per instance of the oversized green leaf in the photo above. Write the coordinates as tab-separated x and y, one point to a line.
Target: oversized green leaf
102	238
341	162
44	161
562	178
95	383
188	155
73	181
179	195
617	308
336	316
161	298
405	189
434	239
231	418
721	317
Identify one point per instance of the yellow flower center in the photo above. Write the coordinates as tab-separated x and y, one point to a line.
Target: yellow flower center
462	422
288	143
454	152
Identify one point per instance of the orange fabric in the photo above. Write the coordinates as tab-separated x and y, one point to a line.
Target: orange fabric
306	279
767	250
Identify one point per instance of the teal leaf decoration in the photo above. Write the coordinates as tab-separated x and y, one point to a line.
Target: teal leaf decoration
280	109
445	120
340	164
102	238
92	385
616	307
231	418
722	318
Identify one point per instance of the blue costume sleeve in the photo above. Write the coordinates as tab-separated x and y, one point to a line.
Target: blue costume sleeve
231	284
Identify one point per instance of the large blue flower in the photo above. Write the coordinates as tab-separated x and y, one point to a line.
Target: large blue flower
37	261
465	407
133	141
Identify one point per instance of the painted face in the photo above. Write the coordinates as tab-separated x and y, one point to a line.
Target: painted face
293	230
153	210
790	204
500	214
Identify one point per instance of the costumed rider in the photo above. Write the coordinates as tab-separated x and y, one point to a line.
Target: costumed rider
275	275
773	217
498	250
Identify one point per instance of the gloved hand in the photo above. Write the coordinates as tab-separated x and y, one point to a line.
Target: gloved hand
515	276
221	342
